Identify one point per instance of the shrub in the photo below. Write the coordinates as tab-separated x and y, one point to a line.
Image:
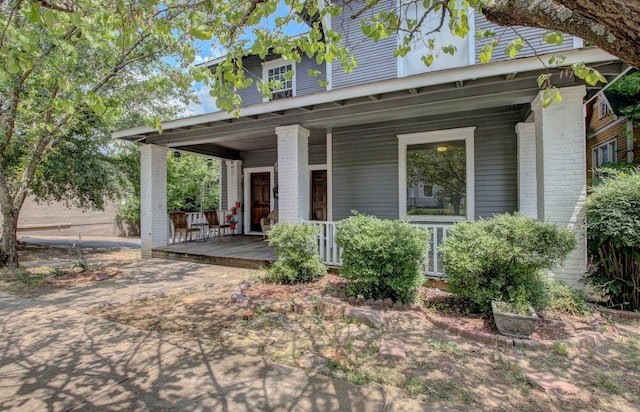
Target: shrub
382	258
563	298
297	252
503	259
613	234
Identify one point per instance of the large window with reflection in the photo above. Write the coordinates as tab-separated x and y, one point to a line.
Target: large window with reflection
436	175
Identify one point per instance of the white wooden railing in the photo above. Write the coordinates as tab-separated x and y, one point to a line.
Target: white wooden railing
194	217
331	254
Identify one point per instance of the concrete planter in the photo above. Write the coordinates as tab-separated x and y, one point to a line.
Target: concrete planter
510	323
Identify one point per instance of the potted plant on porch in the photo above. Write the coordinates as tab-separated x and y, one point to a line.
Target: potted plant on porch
228	217
232	223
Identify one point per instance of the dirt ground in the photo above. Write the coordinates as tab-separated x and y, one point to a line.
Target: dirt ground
441	369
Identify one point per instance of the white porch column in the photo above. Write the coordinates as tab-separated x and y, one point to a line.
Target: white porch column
234	190
234	183
154	221
293	173
561	180
527	189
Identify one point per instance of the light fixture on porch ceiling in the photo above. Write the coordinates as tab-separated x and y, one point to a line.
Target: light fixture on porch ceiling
275	166
442	148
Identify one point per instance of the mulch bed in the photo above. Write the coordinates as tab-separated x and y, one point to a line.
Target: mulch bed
270	291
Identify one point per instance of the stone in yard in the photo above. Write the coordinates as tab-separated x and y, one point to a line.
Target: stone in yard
100	276
291	326
370	317
350	331
312	361
331	308
280	307
551	384
248	314
392	349
275	335
388	302
302	307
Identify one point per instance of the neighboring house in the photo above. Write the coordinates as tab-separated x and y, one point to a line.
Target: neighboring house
320	152
610	137
57	219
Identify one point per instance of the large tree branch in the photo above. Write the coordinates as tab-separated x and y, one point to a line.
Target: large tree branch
611	25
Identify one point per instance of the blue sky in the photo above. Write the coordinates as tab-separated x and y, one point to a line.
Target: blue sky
208	51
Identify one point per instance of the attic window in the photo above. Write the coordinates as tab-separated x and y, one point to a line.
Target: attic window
275	72
602	108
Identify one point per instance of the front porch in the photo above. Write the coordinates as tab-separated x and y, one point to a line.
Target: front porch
251	252
254	252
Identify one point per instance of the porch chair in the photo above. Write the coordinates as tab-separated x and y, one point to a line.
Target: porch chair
179	220
214	223
266	223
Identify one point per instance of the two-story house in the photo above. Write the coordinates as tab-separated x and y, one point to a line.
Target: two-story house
362	141
611	137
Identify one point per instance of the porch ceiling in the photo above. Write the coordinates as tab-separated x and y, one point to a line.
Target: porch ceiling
227	137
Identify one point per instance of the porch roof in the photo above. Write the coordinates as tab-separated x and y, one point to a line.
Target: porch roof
455	92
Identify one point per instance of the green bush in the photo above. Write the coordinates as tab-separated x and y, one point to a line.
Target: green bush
382	258
503	259
563	298
297	253
613	234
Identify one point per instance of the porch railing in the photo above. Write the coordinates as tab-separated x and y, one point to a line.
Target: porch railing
331	254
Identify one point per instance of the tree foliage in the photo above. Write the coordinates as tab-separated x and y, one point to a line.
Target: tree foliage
613	233
627	88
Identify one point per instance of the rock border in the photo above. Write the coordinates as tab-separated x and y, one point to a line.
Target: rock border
589	339
621	314
585	340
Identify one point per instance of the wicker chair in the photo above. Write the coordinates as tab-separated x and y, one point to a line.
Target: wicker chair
266	223
180	225
214	223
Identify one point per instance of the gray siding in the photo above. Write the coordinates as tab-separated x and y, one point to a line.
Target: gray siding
375	60
506	34
496	172
317	155
261	158
365	170
253	68
305	84
365	174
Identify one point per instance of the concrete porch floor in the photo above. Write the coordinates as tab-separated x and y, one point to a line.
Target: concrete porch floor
251	252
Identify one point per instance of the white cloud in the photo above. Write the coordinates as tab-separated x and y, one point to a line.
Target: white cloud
206	103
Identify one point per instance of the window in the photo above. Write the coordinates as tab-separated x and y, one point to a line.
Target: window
604	153
427	190
602	108
280	75
440	164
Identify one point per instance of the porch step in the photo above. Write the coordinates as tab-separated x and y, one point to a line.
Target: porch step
212	260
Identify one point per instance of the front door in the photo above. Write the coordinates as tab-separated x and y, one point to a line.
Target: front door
260	199
318	195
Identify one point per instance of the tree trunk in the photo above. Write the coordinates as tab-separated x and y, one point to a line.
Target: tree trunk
9	243
611	25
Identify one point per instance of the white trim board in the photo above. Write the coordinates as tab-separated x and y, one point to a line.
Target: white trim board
247	194
465	133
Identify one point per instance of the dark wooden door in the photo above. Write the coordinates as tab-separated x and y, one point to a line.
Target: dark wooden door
260	198
319	195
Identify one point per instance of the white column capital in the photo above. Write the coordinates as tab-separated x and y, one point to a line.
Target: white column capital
569	95
293	130
525	128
